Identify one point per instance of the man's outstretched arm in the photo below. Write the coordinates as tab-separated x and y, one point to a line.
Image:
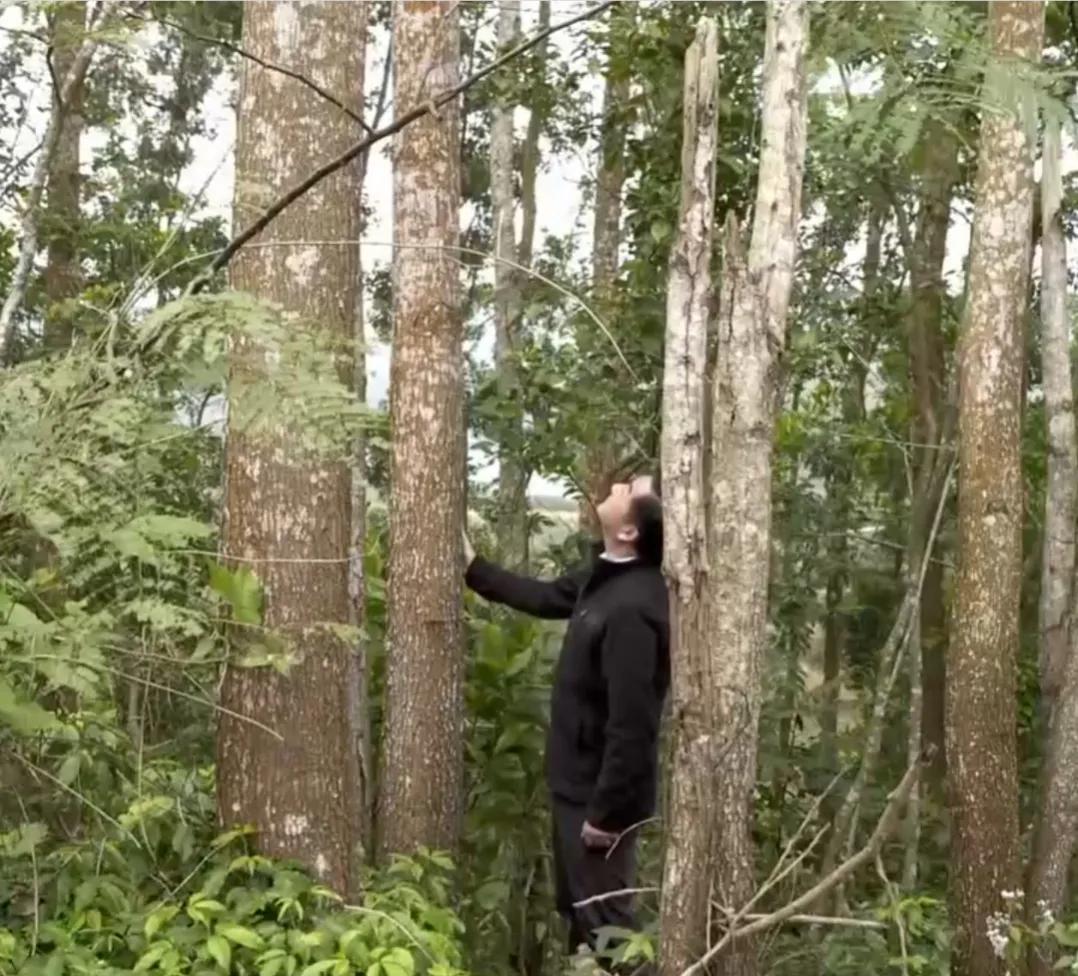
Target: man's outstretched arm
550	599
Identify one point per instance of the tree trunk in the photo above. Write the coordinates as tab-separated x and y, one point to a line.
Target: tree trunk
359	684
63	279
689	841
512	513
1057	823
600	455
529	152
980	696
751	338
287	505
422	784
927	377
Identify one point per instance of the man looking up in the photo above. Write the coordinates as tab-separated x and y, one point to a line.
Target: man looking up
609	684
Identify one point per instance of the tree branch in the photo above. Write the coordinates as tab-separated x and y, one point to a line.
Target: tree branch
428	108
269	65
884	828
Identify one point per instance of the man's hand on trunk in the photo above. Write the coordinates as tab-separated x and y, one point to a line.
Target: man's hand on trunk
595	839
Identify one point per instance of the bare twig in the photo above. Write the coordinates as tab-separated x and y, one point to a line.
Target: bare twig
28	247
418	112
886	825
250	56
620	893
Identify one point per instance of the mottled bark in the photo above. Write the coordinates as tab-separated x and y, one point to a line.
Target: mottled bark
511	523
689	827
747	380
1057	822
422	783
980	697
287	506
529	153
601	455
63	278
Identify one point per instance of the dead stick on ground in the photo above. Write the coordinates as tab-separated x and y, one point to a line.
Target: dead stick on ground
884	828
427	108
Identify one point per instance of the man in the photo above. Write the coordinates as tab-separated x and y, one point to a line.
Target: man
609	685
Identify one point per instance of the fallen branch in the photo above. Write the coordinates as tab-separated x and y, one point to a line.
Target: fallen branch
886	825
29	230
427	108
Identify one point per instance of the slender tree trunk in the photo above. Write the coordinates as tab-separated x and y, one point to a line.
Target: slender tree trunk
689	839
29	227
422	784
748	372
287	505
840	486
512	515
981	709
63	279
927	377
358	683
926	660
529	152
1057	823
601	454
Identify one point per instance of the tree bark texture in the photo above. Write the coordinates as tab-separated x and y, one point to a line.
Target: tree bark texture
980	696
512	510
1057	822
689	828
63	279
287	505
927	380
752	327
421	797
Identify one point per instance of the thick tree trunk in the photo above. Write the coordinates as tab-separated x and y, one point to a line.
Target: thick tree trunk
63	279
422	783
751	338
1057	823
690	822
600	455
512	514
981	708
287	506
927	377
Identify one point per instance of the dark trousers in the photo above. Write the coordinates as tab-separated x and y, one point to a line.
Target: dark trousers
581	873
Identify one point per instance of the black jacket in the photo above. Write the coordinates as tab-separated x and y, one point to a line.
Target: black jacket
609	684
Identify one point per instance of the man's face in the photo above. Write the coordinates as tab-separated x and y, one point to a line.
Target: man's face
614	510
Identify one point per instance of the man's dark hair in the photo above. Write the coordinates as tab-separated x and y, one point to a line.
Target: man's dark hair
647	515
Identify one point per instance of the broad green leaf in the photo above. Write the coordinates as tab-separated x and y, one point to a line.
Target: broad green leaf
24	717
316	968
241	935
151	956
241	590
158	918
220	951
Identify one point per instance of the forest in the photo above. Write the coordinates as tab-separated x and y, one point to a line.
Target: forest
302	300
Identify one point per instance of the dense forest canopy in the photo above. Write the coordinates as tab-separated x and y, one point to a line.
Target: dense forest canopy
295	292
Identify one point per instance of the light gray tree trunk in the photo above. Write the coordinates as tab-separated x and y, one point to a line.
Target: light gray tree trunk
421	796
689	828
981	679
512	512
1057	822
748	374
287	504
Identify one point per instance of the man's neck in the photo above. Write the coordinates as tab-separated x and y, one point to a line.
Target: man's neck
616	551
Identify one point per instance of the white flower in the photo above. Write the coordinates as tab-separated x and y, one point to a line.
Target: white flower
997	928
